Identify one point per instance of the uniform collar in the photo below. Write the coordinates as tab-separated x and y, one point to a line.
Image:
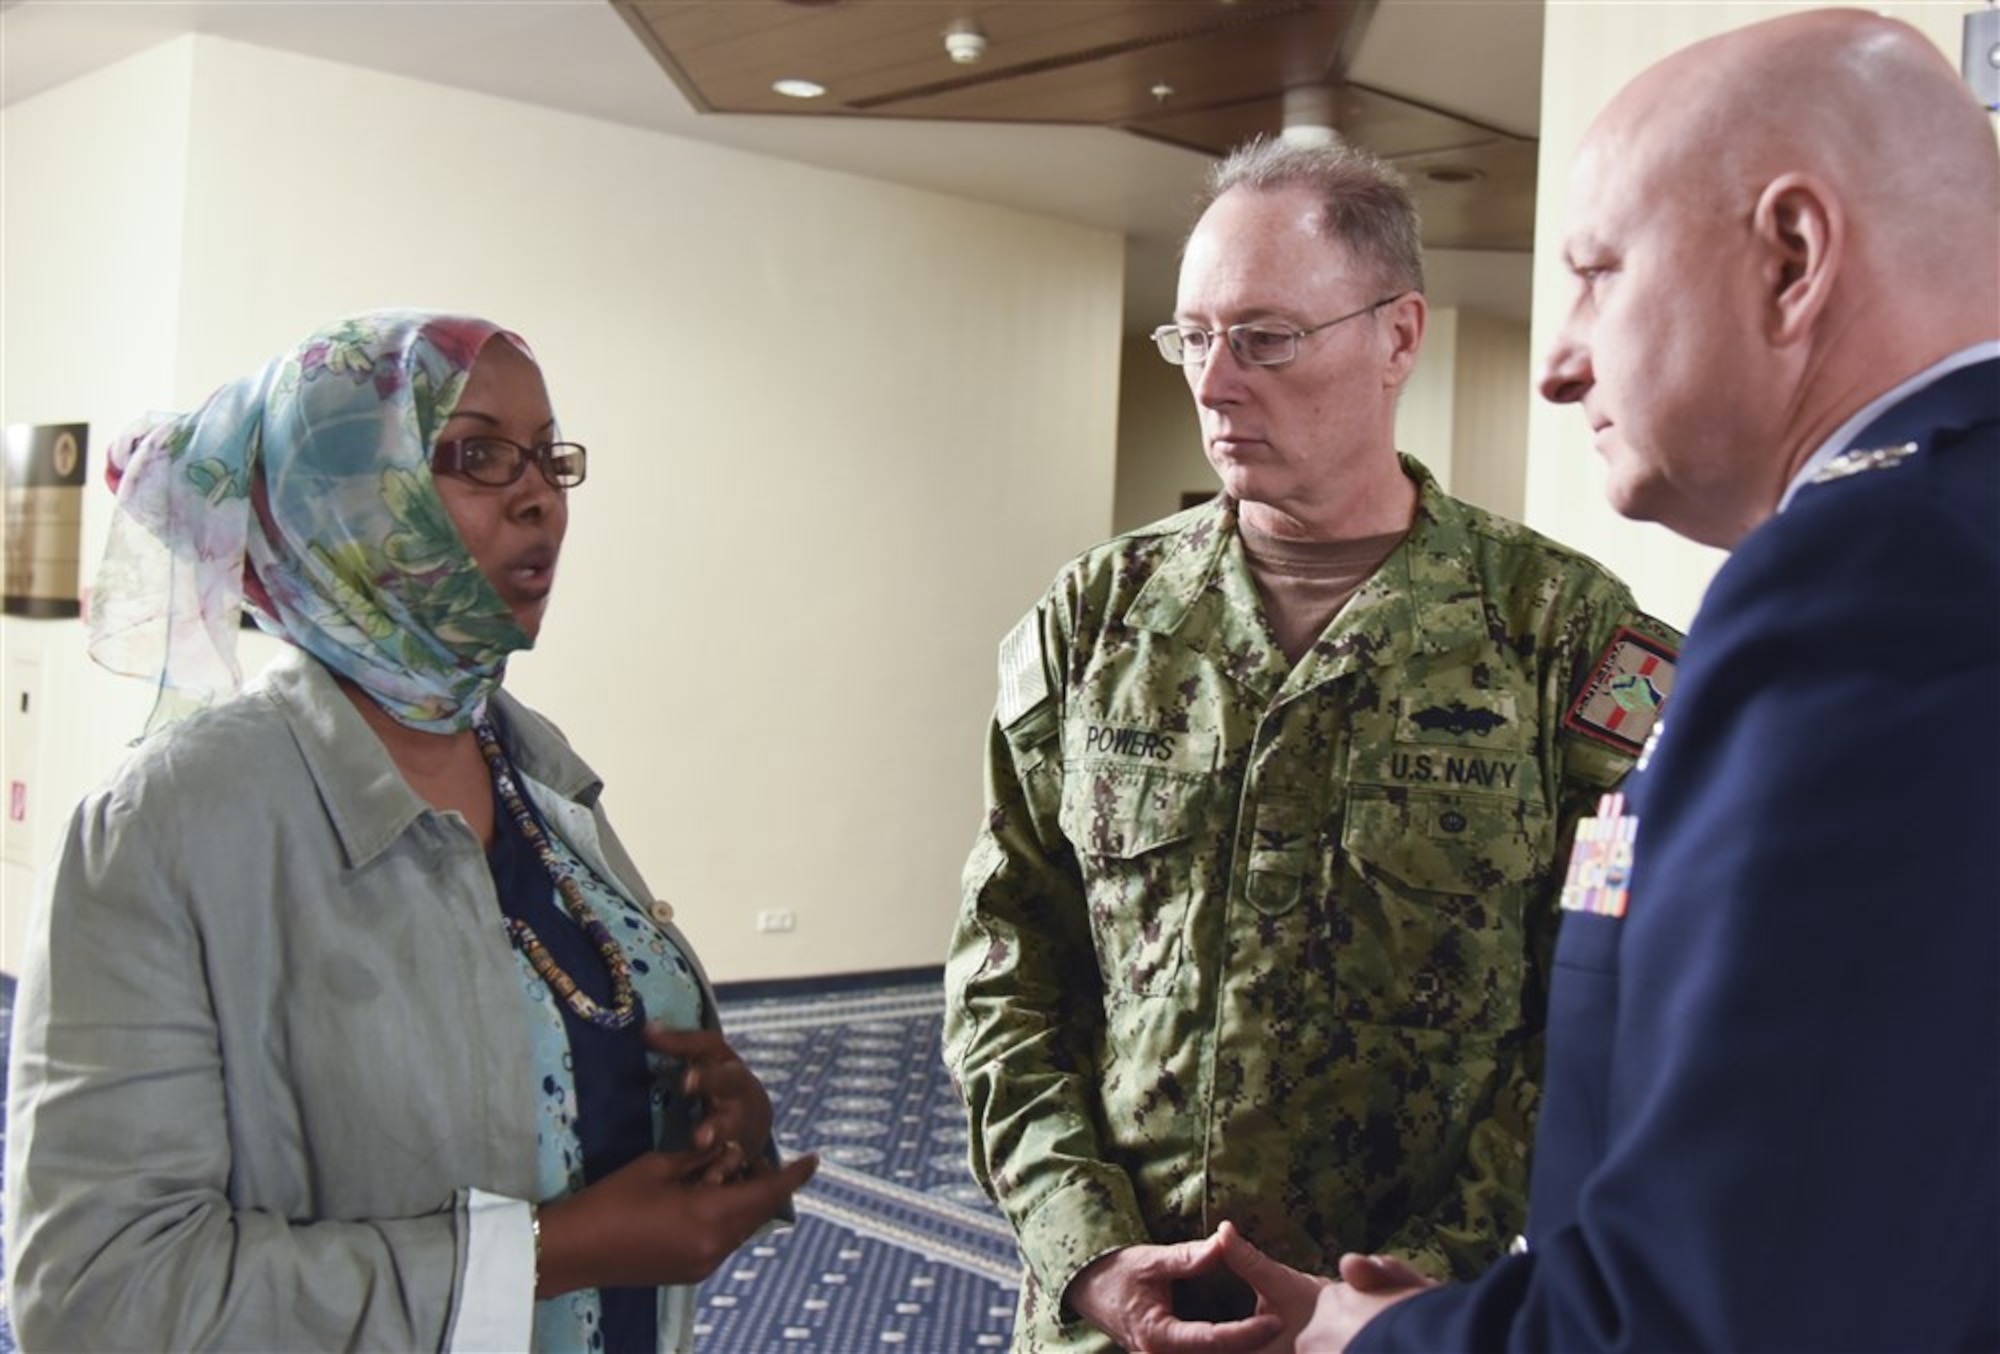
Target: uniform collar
367	801
1884	421
1191	557
1419	601
1424	584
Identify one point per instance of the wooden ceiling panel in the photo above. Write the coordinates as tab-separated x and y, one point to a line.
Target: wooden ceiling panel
1494	210
1116	86
842	47
1020	31
1388	126
1202	74
888	56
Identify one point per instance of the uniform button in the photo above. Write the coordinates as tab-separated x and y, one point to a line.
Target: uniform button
663	911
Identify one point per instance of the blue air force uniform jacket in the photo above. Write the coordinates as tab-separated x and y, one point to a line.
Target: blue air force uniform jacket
1772	1110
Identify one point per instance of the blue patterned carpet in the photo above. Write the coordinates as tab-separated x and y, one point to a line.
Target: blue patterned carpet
895	1247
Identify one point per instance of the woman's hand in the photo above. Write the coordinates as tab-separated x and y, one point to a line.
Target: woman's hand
739	1110
658	1220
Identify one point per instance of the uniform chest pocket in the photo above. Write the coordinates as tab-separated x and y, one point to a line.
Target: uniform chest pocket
1435	889
1135	834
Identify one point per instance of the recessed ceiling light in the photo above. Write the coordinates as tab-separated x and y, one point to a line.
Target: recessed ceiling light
799	89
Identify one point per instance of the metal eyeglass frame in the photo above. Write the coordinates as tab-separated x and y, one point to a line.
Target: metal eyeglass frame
1171	339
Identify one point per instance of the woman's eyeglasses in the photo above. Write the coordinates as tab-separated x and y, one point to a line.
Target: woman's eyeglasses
500	461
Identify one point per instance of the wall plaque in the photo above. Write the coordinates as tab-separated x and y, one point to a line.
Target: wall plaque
43	477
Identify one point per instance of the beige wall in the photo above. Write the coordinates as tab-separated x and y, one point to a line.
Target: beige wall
1159	439
1589	51
1490	386
842	435
95	191
1427	409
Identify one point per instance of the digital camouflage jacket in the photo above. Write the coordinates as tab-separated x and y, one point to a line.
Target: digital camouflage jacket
1269	943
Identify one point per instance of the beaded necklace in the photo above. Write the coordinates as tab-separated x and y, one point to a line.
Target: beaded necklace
624	1004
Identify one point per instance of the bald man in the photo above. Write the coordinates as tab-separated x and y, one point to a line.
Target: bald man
1772	1108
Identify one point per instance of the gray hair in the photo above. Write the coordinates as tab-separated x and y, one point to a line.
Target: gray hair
1364	204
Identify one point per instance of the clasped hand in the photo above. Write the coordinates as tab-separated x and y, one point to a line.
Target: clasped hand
1128	1294
673	1217
737	1124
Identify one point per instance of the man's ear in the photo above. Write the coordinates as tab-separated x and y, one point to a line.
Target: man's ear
1801	231
1406	316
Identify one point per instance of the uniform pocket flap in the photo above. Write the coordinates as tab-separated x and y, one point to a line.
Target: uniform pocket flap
1446	843
1114	809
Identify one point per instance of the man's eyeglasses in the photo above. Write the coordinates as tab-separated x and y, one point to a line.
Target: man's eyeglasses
499	461
1260	345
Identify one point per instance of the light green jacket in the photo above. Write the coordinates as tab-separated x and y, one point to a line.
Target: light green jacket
270	1039
1268	943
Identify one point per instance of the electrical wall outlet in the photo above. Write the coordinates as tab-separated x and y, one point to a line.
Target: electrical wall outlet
776	919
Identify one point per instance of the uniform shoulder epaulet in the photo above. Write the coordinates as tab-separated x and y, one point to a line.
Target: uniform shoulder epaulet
1627	687
1859	460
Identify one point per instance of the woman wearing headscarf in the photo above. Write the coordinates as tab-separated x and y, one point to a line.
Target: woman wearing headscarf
348	1023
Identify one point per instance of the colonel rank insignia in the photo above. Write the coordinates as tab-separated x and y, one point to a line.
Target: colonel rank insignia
1862	459
1631	681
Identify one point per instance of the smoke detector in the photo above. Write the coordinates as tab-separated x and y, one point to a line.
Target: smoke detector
964	43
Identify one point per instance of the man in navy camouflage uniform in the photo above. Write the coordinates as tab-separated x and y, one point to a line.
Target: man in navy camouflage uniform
1279	791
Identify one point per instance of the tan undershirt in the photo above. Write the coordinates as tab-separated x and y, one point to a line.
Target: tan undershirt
1304	584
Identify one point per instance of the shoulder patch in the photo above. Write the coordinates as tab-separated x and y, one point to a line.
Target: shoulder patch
1024	681
1628	684
1857	460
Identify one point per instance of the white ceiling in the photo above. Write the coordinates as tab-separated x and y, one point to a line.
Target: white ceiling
1478	58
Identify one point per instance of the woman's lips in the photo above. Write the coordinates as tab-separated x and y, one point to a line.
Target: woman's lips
534	572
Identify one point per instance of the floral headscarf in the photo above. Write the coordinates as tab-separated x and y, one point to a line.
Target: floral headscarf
314	473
